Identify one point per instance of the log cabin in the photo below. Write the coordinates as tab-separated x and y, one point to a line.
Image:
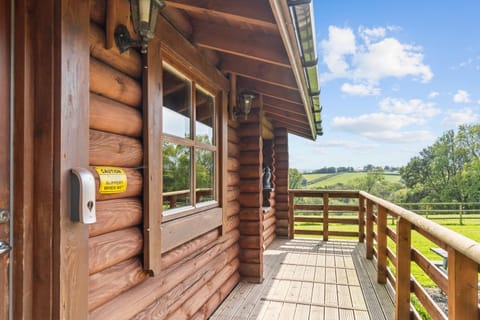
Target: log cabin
164	124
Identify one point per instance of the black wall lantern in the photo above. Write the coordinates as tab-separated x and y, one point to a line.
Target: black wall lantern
144	14
244	104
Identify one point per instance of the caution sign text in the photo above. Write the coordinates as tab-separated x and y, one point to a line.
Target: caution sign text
112	180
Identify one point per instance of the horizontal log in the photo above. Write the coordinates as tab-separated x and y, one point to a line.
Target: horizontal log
106	250
430	269
184	290
111	116
191	306
267	133
215	300
109	149
250	171
250	214
234	124
250	255
111	83
249	242
97	11
281	206
268	241
309	232
134	185
233	164
232	193
192	247
281	156
426	300
343	233
249	130
130	63
269	214
250	158
233	207
281	223
268	232
329	220
251	271
252	228
141	296
281	187
281	173
233	150
331	208
231	223
250	144
250	200
268	222
251	186
233	179
233	136
117	214
391	256
282	231
320	193
391	234
105	285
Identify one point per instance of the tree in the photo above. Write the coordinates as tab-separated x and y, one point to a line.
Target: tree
373	177
295	179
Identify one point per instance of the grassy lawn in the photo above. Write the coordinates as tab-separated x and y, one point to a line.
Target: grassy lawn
345	178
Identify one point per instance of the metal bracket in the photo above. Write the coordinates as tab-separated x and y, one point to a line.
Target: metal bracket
4	216
4	248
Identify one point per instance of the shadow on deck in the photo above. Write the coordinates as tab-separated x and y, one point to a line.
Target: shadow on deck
311	279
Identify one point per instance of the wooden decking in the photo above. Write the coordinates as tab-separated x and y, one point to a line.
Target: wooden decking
311	279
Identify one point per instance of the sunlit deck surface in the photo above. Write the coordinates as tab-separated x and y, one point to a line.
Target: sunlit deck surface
311	279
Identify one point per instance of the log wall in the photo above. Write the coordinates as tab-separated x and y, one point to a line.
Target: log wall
281	188
195	276
251	213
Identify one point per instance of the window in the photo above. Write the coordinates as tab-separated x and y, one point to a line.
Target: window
189	147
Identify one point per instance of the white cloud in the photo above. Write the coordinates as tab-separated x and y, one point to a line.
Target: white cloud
346	144
459	117
373	122
360	89
402	136
416	107
375	58
478	101
341	42
461	96
433	94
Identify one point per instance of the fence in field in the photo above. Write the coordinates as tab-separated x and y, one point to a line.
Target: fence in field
460	211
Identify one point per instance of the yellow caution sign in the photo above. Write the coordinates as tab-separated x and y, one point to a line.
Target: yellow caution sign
112	180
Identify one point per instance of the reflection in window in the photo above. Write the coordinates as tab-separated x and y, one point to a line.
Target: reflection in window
176	175
204	109
176	105
205	175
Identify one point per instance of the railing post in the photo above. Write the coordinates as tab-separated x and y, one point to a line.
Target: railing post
369	232
361	218
291	216
461	214
381	245
402	284
325	217
462	286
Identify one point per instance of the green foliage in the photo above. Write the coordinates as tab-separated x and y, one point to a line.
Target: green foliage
296	179
448	170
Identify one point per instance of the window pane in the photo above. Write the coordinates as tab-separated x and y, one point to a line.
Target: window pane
177	161
205	174
176	105
205	107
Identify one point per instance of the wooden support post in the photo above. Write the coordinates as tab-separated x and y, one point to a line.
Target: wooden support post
382	245
361	218
402	284
325	217
291	214
369	231
462	286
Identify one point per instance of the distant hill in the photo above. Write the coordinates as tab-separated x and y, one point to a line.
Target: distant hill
321	180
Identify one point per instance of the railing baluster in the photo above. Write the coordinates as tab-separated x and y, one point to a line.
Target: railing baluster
402	284
291	215
361	218
381	245
462	286
325	217
369	231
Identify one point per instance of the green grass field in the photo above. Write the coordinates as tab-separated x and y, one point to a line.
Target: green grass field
321	180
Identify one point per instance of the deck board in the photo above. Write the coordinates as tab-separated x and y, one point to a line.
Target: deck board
310	279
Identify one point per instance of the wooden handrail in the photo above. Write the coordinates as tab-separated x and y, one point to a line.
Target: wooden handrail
463	253
460	243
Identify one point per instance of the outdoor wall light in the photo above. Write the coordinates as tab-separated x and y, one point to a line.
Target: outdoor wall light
244	104
144	15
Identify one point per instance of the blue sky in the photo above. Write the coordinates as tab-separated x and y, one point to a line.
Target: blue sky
395	75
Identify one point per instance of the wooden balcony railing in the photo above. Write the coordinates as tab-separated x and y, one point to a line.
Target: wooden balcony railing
460	284
172	198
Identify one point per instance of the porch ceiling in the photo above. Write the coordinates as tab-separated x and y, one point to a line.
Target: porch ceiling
243	38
